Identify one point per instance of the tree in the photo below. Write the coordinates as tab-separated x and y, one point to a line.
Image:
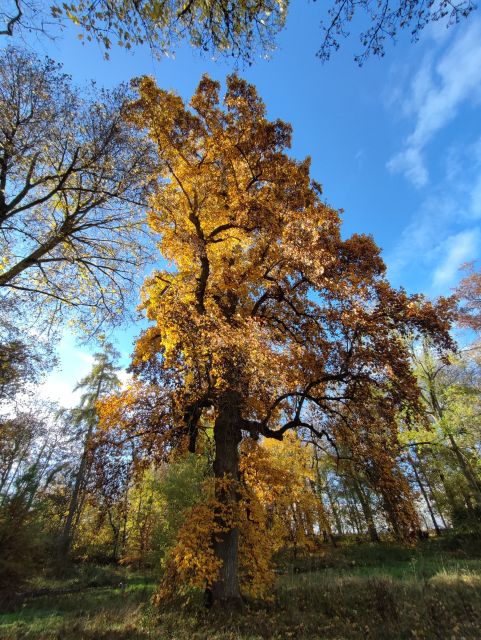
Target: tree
386	18
23	358
281	476
34	450
228	28
469	294
451	394
237	29
72	185
265	310
102	380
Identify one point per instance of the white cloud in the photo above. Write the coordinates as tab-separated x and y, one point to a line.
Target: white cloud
83	355
435	96
456	249
125	378
411	164
444	230
56	389
75	364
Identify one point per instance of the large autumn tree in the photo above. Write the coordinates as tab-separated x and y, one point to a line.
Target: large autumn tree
264	311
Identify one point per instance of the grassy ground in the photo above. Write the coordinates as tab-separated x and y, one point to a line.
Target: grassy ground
379	592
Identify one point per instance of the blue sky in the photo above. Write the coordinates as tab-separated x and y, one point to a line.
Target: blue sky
396	143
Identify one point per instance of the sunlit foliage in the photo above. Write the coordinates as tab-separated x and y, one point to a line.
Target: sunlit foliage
265	311
72	184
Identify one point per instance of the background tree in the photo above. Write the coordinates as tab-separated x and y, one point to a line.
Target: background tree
267	311
469	295
101	381
448	454
34	451
72	184
24	358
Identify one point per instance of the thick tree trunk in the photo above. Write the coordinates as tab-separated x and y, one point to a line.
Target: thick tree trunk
227	436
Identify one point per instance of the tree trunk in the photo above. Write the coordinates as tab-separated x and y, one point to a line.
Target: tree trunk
335	512
353	510
432	492
424	494
467	471
367	510
76	500
450	497
227	436
69	528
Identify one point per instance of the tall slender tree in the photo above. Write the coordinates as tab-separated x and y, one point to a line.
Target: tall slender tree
101	380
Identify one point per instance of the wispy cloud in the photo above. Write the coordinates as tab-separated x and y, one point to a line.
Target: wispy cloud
435	96
444	230
455	250
418	244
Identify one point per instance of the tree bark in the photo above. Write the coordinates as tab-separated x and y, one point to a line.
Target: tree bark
227	436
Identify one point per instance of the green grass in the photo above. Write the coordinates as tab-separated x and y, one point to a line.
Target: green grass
377	592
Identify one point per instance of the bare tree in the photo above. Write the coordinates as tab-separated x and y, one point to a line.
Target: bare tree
385	19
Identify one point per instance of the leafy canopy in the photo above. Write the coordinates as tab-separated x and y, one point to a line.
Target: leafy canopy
263	296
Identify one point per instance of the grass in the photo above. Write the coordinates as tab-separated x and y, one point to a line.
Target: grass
369	592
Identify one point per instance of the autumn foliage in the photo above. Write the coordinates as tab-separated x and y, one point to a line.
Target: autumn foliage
276	509
265	319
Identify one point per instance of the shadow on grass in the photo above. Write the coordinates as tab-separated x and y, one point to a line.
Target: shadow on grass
369	593
306	606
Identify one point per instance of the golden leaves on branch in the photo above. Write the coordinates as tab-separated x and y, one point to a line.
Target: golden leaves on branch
276	508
